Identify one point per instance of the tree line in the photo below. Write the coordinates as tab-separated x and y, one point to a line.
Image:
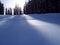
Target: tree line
9	11
35	7
42	6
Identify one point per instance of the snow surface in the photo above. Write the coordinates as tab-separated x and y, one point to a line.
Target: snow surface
31	29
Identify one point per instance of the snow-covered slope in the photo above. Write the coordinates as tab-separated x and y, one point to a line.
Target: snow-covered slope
32	29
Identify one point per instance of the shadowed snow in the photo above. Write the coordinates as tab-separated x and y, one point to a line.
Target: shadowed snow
33	29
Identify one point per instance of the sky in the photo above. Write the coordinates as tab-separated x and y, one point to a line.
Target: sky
12	3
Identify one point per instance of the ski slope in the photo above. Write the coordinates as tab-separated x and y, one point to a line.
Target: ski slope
31	29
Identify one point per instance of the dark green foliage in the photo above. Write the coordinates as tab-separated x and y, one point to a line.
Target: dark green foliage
42	6
1	8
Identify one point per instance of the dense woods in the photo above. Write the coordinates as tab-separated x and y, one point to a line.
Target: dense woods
42	6
34	7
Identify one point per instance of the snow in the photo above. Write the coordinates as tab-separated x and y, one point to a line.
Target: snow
31	29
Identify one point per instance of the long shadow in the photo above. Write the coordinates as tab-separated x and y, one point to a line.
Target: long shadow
50	18
21	33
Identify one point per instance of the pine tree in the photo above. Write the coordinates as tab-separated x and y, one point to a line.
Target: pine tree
1	8
42	6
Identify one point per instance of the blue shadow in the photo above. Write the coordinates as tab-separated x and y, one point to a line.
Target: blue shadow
50	18
19	32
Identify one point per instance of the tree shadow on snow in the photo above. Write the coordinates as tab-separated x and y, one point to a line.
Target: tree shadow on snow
21	33
50	18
